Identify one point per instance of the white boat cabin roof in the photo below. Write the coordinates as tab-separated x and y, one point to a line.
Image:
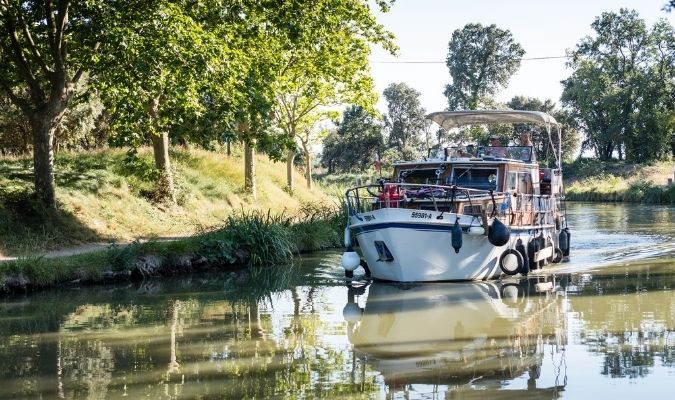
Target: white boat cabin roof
455	119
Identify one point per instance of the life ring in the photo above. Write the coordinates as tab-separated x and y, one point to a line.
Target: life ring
511	262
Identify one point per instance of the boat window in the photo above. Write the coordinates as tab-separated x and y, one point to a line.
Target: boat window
519	181
511	181
476	178
420	176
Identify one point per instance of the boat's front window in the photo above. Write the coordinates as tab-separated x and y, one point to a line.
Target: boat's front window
522	153
475	178
420	176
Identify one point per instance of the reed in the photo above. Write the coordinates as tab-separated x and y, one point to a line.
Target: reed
248	238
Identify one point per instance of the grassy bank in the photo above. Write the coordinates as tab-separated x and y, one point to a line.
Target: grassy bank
107	196
592	180
251	238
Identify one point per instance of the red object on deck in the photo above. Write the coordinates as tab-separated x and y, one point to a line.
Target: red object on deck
390	197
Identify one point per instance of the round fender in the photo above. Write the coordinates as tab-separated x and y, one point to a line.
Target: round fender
557	255
511	262
520	247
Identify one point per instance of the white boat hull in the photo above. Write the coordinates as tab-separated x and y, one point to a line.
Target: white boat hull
420	245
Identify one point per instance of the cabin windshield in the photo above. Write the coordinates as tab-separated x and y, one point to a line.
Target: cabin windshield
475	178
522	153
420	176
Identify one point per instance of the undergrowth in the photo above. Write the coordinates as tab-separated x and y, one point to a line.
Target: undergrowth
246	239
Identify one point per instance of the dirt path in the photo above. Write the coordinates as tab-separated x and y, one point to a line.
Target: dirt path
87	248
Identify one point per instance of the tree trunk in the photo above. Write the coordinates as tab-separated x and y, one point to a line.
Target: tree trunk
289	169
249	169
229	149
44	127
160	147
308	160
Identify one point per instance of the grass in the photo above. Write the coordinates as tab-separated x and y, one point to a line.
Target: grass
107	196
248	238
592	180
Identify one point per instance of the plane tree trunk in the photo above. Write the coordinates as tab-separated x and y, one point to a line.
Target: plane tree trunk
160	149
249	169
44	127
289	169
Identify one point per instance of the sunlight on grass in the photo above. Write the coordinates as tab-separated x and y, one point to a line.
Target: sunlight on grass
103	199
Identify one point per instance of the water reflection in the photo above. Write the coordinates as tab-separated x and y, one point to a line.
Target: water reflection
601	326
449	339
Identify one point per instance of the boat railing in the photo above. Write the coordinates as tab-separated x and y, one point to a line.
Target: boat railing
511	208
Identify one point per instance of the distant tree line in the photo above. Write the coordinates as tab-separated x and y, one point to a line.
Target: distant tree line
619	101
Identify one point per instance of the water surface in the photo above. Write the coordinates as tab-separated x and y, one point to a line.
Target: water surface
600	326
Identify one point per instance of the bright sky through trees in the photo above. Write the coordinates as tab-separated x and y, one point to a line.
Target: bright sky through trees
423	29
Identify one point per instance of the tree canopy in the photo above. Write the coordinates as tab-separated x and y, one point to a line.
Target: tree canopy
354	143
622	90
45	48
405	119
481	60
543	145
327	65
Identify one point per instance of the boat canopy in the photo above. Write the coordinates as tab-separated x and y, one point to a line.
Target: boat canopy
454	119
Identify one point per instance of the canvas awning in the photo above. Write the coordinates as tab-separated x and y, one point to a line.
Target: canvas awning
454	119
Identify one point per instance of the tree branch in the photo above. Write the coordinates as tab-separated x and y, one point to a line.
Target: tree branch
18	101
61	26
33	48
15	52
51	33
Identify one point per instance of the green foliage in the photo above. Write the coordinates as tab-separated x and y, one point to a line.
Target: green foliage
15	131
265	239
153	68
405	120
595	180
537	133
355	142
325	64
257	238
620	92
481	60
253	239
319	227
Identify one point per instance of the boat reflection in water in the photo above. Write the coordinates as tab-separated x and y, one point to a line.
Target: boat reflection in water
465	339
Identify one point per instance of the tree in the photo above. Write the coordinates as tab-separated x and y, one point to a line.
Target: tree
405	119
15	132
325	64
543	146
152	73
481	60
354	143
41	62
622	90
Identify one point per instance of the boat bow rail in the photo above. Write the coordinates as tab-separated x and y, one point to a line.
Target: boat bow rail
515	209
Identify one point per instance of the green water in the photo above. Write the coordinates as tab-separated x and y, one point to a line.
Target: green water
600	326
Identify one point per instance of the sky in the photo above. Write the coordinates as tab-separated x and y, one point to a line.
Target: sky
423	29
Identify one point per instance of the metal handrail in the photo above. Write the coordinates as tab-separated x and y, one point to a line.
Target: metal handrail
512	208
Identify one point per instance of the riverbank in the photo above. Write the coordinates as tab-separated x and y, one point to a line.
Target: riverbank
107	196
593	180
246	239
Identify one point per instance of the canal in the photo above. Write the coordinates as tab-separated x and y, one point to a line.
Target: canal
599	326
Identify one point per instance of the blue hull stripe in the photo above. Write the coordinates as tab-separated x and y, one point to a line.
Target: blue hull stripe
414	226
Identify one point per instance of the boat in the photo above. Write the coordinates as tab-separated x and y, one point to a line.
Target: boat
463	214
477	336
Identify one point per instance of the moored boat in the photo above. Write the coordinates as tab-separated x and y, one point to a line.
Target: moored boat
468	213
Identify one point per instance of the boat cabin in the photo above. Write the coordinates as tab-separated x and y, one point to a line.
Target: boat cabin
488	181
